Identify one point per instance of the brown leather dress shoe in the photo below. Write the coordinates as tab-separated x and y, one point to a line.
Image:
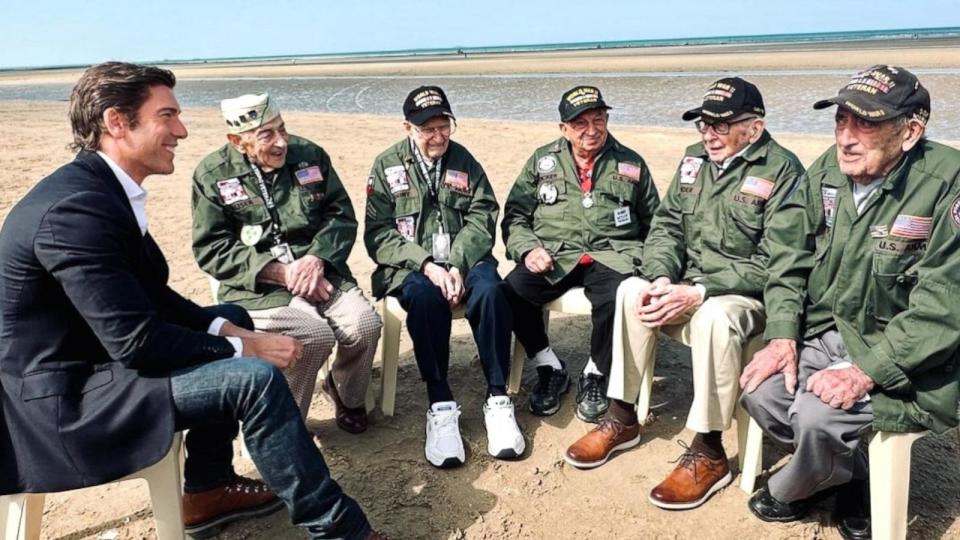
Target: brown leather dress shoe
350	419
692	482
206	513
596	447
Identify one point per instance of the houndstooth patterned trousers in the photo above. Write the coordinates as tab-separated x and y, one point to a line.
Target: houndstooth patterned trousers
349	320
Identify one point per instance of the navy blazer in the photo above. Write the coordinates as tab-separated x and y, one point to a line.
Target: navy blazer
89	333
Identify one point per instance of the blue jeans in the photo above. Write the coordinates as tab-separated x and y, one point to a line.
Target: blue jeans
429	324
212	399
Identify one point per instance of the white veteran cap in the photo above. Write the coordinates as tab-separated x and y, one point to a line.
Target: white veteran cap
248	112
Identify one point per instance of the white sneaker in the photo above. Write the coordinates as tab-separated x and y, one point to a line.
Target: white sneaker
504	439
444	446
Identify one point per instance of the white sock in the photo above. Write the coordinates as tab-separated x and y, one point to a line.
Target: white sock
591	368
547	357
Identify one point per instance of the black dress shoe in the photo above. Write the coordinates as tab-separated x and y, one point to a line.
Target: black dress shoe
766	507
852	510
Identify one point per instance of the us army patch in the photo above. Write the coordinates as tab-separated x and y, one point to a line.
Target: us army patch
689	169
546	164
232	191
899	247
829	196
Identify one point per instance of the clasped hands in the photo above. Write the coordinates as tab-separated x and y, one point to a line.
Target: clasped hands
661	302
450	282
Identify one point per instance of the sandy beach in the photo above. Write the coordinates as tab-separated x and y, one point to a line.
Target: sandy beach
384	469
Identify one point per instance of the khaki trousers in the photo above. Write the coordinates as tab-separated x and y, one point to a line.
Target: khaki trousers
348	320
715	332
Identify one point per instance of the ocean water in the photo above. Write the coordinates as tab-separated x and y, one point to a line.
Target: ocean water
646	99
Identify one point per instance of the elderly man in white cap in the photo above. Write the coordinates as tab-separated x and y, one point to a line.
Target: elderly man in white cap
273	223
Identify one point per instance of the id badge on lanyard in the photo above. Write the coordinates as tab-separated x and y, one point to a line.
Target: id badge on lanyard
280	249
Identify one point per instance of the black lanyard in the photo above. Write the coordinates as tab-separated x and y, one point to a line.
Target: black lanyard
271	205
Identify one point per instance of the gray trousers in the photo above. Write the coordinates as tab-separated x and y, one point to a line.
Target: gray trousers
824	441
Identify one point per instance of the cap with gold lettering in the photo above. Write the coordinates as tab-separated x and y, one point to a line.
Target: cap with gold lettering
424	103
579	99
726	99
248	112
881	93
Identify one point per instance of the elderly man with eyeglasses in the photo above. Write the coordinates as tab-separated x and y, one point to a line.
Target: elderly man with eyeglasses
701	283
430	227
576	216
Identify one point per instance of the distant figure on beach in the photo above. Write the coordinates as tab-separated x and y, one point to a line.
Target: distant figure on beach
102	361
274	225
430	227
702	279
863	273
577	216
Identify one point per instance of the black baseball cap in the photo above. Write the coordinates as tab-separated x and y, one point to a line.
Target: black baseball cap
425	103
728	98
579	99
881	93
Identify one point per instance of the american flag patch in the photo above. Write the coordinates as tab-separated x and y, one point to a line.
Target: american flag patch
457	180
629	170
912	227
309	175
760	187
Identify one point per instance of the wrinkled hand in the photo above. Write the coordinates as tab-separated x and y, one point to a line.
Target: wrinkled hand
779	356
439	277
232	330
454	287
650	292
840	388
279	350
538	260
666	302
303	275
322	292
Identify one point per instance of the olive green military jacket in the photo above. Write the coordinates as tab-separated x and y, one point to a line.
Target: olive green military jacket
545	209
231	223
709	227
401	218
887	279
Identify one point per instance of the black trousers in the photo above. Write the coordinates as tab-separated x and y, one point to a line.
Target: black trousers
528	292
429	324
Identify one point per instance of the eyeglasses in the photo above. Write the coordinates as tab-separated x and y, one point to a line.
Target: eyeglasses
720	128
845	120
431	132
582	124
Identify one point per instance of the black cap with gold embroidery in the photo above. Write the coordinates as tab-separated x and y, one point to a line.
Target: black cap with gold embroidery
881	93
425	103
726	99
579	99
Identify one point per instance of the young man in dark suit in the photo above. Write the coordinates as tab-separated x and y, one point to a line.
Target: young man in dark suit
101	361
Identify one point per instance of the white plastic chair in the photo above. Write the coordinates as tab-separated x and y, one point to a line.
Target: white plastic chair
21	514
573	301
889	477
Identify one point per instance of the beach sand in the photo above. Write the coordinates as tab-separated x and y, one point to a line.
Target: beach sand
384	469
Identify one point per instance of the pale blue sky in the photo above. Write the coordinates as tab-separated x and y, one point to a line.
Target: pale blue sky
60	32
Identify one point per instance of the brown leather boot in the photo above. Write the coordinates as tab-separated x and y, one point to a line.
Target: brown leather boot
695	478
596	447
206	513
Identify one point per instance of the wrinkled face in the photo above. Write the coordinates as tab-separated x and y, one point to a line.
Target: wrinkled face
724	140
148	145
266	146
867	150
587	133
433	137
